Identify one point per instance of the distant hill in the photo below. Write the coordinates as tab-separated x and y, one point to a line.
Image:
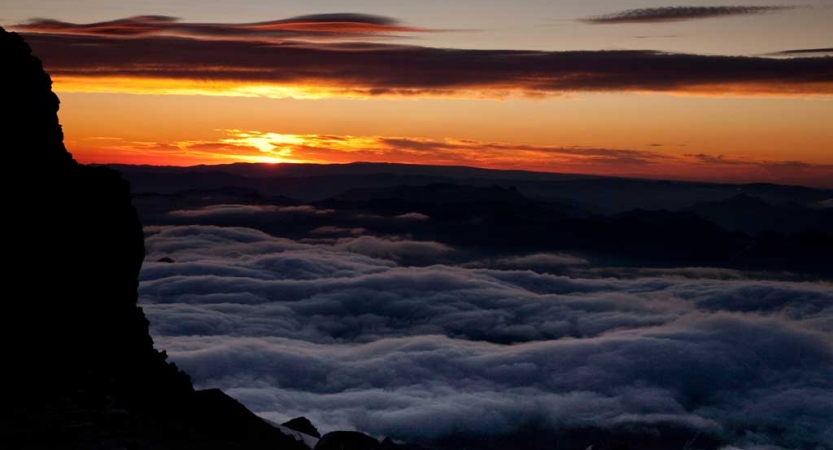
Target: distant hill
604	195
436	193
487	212
752	215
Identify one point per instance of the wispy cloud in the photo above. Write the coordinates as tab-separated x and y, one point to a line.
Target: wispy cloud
309	27
805	52
680	13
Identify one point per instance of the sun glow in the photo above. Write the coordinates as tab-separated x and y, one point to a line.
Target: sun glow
211	88
265	142
274	148
318	89
277	148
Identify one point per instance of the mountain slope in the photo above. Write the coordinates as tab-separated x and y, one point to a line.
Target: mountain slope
79	364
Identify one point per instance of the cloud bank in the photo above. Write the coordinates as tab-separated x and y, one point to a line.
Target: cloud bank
208	62
680	13
450	354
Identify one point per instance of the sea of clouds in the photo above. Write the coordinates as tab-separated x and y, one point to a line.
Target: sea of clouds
346	334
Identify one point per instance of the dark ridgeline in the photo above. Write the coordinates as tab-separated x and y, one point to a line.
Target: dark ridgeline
79	367
303	425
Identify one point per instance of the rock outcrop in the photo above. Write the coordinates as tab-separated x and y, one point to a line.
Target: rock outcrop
347	440
302	425
79	366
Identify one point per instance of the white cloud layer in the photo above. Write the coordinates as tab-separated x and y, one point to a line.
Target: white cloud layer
345	335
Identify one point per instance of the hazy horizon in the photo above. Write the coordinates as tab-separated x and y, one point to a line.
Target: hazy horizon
823	184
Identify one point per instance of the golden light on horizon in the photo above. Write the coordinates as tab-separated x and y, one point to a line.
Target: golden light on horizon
210	88
299	90
277	148
314	89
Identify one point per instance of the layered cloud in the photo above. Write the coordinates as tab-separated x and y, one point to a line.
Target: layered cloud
544	262
310	27
233	59
680	13
806	52
232	210
253	146
451	354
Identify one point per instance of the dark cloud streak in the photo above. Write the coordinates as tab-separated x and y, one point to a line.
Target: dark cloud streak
309	27
409	70
680	13
805	52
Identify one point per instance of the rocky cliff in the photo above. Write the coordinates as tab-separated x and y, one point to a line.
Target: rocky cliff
79	366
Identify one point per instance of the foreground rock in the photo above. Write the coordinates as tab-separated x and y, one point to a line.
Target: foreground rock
80	369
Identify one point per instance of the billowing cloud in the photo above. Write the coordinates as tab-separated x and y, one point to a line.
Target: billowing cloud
329	230
451	354
397	249
680	13
94	63
309	27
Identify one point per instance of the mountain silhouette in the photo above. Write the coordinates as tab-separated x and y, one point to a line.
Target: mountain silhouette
79	366
753	215
314	182
303	425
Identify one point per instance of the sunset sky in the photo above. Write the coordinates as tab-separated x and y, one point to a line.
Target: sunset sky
714	91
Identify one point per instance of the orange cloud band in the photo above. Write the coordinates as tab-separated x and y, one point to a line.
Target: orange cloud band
254	146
